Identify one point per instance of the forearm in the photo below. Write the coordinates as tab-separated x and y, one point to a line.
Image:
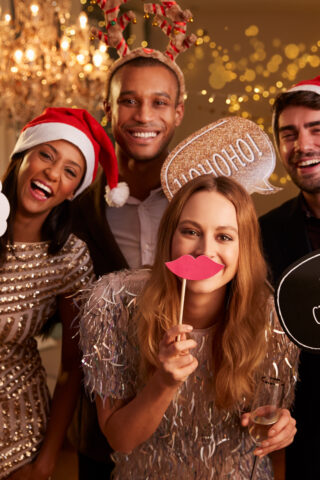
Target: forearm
62	407
135	422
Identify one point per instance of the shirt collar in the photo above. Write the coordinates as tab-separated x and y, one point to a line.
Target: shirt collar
157	192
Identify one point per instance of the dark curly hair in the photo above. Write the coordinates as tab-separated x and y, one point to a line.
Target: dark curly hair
55	229
293	99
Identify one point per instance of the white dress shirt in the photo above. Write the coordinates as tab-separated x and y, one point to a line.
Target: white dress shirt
135	227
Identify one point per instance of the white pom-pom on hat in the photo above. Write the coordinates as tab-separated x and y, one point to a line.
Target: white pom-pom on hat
117	196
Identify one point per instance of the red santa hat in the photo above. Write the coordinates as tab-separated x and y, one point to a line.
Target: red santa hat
78	127
312	85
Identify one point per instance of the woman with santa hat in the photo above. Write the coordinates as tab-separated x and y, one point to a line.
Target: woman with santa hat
41	266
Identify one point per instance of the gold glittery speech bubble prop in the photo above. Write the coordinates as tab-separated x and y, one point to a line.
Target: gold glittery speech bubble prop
231	147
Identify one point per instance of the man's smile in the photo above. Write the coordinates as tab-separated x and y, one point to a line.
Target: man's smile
144	134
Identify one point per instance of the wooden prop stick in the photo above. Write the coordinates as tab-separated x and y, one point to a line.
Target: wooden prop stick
183	292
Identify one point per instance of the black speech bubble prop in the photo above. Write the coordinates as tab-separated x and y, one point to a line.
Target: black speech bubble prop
297	300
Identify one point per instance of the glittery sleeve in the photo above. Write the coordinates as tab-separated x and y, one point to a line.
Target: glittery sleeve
79	269
282	357
107	335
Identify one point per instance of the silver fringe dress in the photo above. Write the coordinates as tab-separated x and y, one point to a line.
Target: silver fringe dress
194	440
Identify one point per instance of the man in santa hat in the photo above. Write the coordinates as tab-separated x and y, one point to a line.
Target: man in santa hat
144	103
289	232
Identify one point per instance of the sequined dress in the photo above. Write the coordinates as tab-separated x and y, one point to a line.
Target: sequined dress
194	440
30	282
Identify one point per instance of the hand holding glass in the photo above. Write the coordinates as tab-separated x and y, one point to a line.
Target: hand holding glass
266	408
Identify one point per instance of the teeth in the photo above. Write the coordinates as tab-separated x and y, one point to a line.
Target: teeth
144	134
306	163
42	186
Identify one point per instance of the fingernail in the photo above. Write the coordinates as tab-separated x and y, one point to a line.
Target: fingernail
258	452
272	431
189	327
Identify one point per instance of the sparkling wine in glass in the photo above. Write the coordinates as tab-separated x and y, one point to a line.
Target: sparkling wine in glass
261	420
265	410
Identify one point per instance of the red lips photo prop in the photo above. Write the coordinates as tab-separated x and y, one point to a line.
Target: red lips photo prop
191	268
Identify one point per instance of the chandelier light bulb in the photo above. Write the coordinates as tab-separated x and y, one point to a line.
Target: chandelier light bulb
7	18
30	54
18	54
81	58
88	68
83	20
34	9
97	58
65	43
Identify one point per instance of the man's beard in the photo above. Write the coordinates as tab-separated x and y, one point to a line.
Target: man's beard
310	183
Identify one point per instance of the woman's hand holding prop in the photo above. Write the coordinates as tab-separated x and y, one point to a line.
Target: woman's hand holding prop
176	361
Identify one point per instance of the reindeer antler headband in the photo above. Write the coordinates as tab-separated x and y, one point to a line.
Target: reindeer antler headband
176	31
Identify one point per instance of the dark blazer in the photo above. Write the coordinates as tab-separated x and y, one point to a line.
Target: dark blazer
285	240
90	224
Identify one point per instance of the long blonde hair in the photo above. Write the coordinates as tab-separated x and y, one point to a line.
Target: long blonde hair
239	341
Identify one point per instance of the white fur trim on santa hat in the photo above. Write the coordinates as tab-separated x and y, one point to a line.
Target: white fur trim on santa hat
117	196
40	133
308	87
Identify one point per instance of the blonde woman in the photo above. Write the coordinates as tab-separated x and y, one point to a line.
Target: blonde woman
171	399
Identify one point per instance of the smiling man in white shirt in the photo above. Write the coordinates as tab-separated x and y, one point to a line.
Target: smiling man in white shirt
145	104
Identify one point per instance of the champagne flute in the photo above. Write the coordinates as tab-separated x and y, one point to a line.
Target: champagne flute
265	411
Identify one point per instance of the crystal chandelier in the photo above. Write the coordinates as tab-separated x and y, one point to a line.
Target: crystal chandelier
47	61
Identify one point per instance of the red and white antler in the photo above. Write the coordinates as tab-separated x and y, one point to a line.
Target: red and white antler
177	32
114	25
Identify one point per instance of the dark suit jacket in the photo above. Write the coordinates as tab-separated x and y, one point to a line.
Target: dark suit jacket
90	224
284	236
285	240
